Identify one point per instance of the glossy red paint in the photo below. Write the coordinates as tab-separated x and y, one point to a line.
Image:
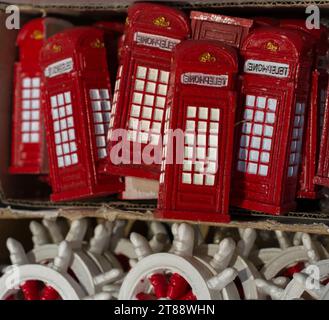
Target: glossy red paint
202	104
77	112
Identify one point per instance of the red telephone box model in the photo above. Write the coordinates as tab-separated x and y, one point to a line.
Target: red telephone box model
152	32
77	111
230	30
306	187
202	104
28	141
277	65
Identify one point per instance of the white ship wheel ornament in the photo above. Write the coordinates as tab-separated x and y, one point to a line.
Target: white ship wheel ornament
237	258
291	260
82	267
175	276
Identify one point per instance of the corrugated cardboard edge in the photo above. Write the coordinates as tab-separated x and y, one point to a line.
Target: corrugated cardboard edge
113	214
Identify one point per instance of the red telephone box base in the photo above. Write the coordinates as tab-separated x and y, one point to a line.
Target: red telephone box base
321	181
264	208
35	170
134	171
193	216
308	195
86	193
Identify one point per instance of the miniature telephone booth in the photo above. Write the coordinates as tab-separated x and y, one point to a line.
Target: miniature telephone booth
77	113
152	32
196	168
270	122
230	30
319	83
28	139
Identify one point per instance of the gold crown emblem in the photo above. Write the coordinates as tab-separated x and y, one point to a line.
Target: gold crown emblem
207	57
127	21
272	46
161	22
37	35
56	48
97	44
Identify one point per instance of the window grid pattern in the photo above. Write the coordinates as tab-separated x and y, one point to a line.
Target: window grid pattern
101	106
65	136
115	101
257	135
201	146
165	145
30	127
147	105
297	140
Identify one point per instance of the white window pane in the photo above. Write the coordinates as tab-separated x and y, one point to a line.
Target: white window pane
96	105
252	168
65	136
105	94
198	179
35	104
187	178
199	167
250	101
102	153
213	141
215	115
139	85
133	123
211	167
59	150
248	114
150	87
58	139
188	152
162	89
212	154
73	146
26	138
137	98
261	102
26	104
292	159
263	170
72	134
62	113
203	113
270	117
160	102
255	143
60	162
201	140
35	115
74	158
53	101
67	160
26	115
259	116
258	129
268	132
189	139
246	127
202	126
98	117
66	148
242	166
135	111
63	124
56	126
190	125
106	105
265	157
155	139
244	142
27	83
294	146
35	126
153	74
94	94
145	125
26	94
67	96
100	141
210	180
147	113
141	72
99	129
191	112
267	143
158	115
156	127
26	126
70	122
164	76
36	82
187	166
60	99
290	171
35	93
55	114
271	104
253	155
243	154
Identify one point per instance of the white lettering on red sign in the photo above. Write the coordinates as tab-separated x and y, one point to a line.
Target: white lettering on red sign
58	68
155	41
266	68
206	80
